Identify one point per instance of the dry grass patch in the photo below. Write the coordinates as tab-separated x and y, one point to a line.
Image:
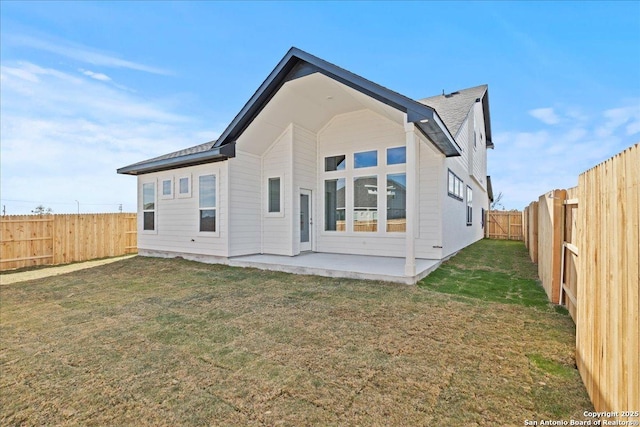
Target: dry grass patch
171	342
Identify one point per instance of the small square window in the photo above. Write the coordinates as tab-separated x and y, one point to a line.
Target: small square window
365	159
335	163
397	155
167	188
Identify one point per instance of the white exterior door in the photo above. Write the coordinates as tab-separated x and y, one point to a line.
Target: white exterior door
305	220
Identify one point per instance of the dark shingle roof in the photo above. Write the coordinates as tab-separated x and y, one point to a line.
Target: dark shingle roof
184	152
453	108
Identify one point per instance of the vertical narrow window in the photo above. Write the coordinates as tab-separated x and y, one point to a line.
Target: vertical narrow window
274	195
397	202
334	205
167	188
184	187
365	159
208	206
469	205
365	203
397	155
149	206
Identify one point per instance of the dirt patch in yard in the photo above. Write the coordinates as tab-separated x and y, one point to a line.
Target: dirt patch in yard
171	342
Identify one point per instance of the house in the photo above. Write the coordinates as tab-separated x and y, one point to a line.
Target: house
321	160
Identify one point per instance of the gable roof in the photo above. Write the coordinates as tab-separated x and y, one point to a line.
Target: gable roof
455	106
296	64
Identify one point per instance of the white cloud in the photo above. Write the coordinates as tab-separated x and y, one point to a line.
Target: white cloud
545	115
525	165
64	136
97	76
79	53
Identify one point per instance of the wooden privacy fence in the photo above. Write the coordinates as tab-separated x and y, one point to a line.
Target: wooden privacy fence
586	241
29	240
505	225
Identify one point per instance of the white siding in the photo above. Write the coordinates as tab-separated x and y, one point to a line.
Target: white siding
479	164
305	176
245	207
361	130
430	202
277	229
177	219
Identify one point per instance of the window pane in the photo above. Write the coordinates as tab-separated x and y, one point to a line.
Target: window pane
148	196
148	219
184	185
166	187
335	163
208	191
334	205
451	184
274	194
397	155
365	203
365	159
207	220
397	202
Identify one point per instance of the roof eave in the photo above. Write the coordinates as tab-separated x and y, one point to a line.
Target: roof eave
213	155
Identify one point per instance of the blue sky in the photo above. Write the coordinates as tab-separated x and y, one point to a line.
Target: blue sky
90	87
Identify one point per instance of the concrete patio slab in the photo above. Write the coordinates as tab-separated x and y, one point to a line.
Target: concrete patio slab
339	265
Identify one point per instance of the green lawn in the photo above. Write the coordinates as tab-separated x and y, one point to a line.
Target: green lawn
171	342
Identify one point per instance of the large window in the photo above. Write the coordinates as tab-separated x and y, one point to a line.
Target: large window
469	205
455	186
274	195
365	203
149	206
208	203
397	202
334	203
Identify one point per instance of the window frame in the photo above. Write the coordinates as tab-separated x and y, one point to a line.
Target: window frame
458	185
186	195
153	230
216	232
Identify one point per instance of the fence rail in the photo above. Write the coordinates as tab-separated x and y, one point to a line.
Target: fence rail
586	241
29	240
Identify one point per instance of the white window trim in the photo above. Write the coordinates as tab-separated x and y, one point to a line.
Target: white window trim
279	214
155	209
189	187
166	196
216	233
349	173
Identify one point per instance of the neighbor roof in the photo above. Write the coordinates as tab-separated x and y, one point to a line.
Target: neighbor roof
295	64
454	107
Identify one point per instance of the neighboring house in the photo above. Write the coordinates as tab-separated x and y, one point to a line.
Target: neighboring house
323	160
